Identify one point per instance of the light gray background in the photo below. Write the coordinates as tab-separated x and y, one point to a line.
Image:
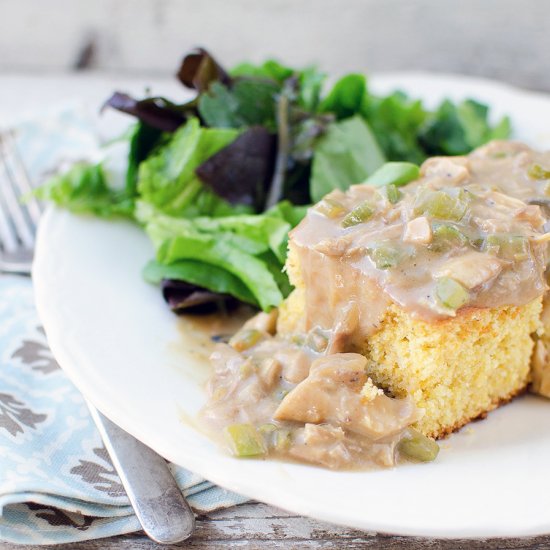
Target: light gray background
504	39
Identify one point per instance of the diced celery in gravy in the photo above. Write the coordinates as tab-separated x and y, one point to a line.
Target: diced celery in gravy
245	440
445	237
450	293
359	214
508	247
384	257
330	208
537	172
441	205
392	193
418	447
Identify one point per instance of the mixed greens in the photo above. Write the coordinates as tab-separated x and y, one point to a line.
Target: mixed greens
218	182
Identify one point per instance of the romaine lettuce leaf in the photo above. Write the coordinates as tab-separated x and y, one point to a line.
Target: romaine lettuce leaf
200	274
220	250
250	248
347	154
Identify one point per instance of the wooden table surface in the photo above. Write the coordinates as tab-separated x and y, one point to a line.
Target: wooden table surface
258	526
252	525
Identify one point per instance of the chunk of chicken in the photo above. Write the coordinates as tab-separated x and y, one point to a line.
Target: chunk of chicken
418	231
331	447
532	214
332	394
492	225
264	322
453	170
336	246
499	148
471	269
295	364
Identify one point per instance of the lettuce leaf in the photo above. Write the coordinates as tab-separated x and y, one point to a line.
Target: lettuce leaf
248	102
156	112
347	154
346	97
310	83
167	178
309	80
396	122
456	129
250	248
220	250
84	190
241	172
201	275
143	139
199	69
269	70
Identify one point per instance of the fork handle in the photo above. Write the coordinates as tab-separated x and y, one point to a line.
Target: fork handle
157	500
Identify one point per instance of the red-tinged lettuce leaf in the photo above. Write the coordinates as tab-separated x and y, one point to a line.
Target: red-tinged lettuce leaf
199	69
183	297
241	172
156	112
167	177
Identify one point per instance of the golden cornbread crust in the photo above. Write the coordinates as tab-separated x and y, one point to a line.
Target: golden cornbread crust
482	416
540	365
457	369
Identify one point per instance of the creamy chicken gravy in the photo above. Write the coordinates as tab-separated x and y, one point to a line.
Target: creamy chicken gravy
457	237
285	397
470	232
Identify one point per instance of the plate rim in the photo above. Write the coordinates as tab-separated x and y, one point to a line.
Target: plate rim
65	358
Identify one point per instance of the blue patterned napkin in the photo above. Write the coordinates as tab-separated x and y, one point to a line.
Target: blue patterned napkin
57	483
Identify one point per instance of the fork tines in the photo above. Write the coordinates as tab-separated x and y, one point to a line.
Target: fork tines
19	209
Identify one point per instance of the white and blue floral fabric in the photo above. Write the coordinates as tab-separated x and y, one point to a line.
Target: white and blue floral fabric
57	483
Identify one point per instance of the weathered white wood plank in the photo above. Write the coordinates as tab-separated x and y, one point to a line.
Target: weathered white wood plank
261	527
503	39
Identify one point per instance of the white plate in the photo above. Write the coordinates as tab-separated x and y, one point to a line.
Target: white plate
121	346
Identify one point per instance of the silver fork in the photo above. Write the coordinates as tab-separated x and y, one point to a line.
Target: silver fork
18	221
161	508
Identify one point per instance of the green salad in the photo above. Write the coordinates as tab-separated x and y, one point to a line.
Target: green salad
219	181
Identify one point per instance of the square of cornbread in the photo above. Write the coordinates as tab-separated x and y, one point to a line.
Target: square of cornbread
456	369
